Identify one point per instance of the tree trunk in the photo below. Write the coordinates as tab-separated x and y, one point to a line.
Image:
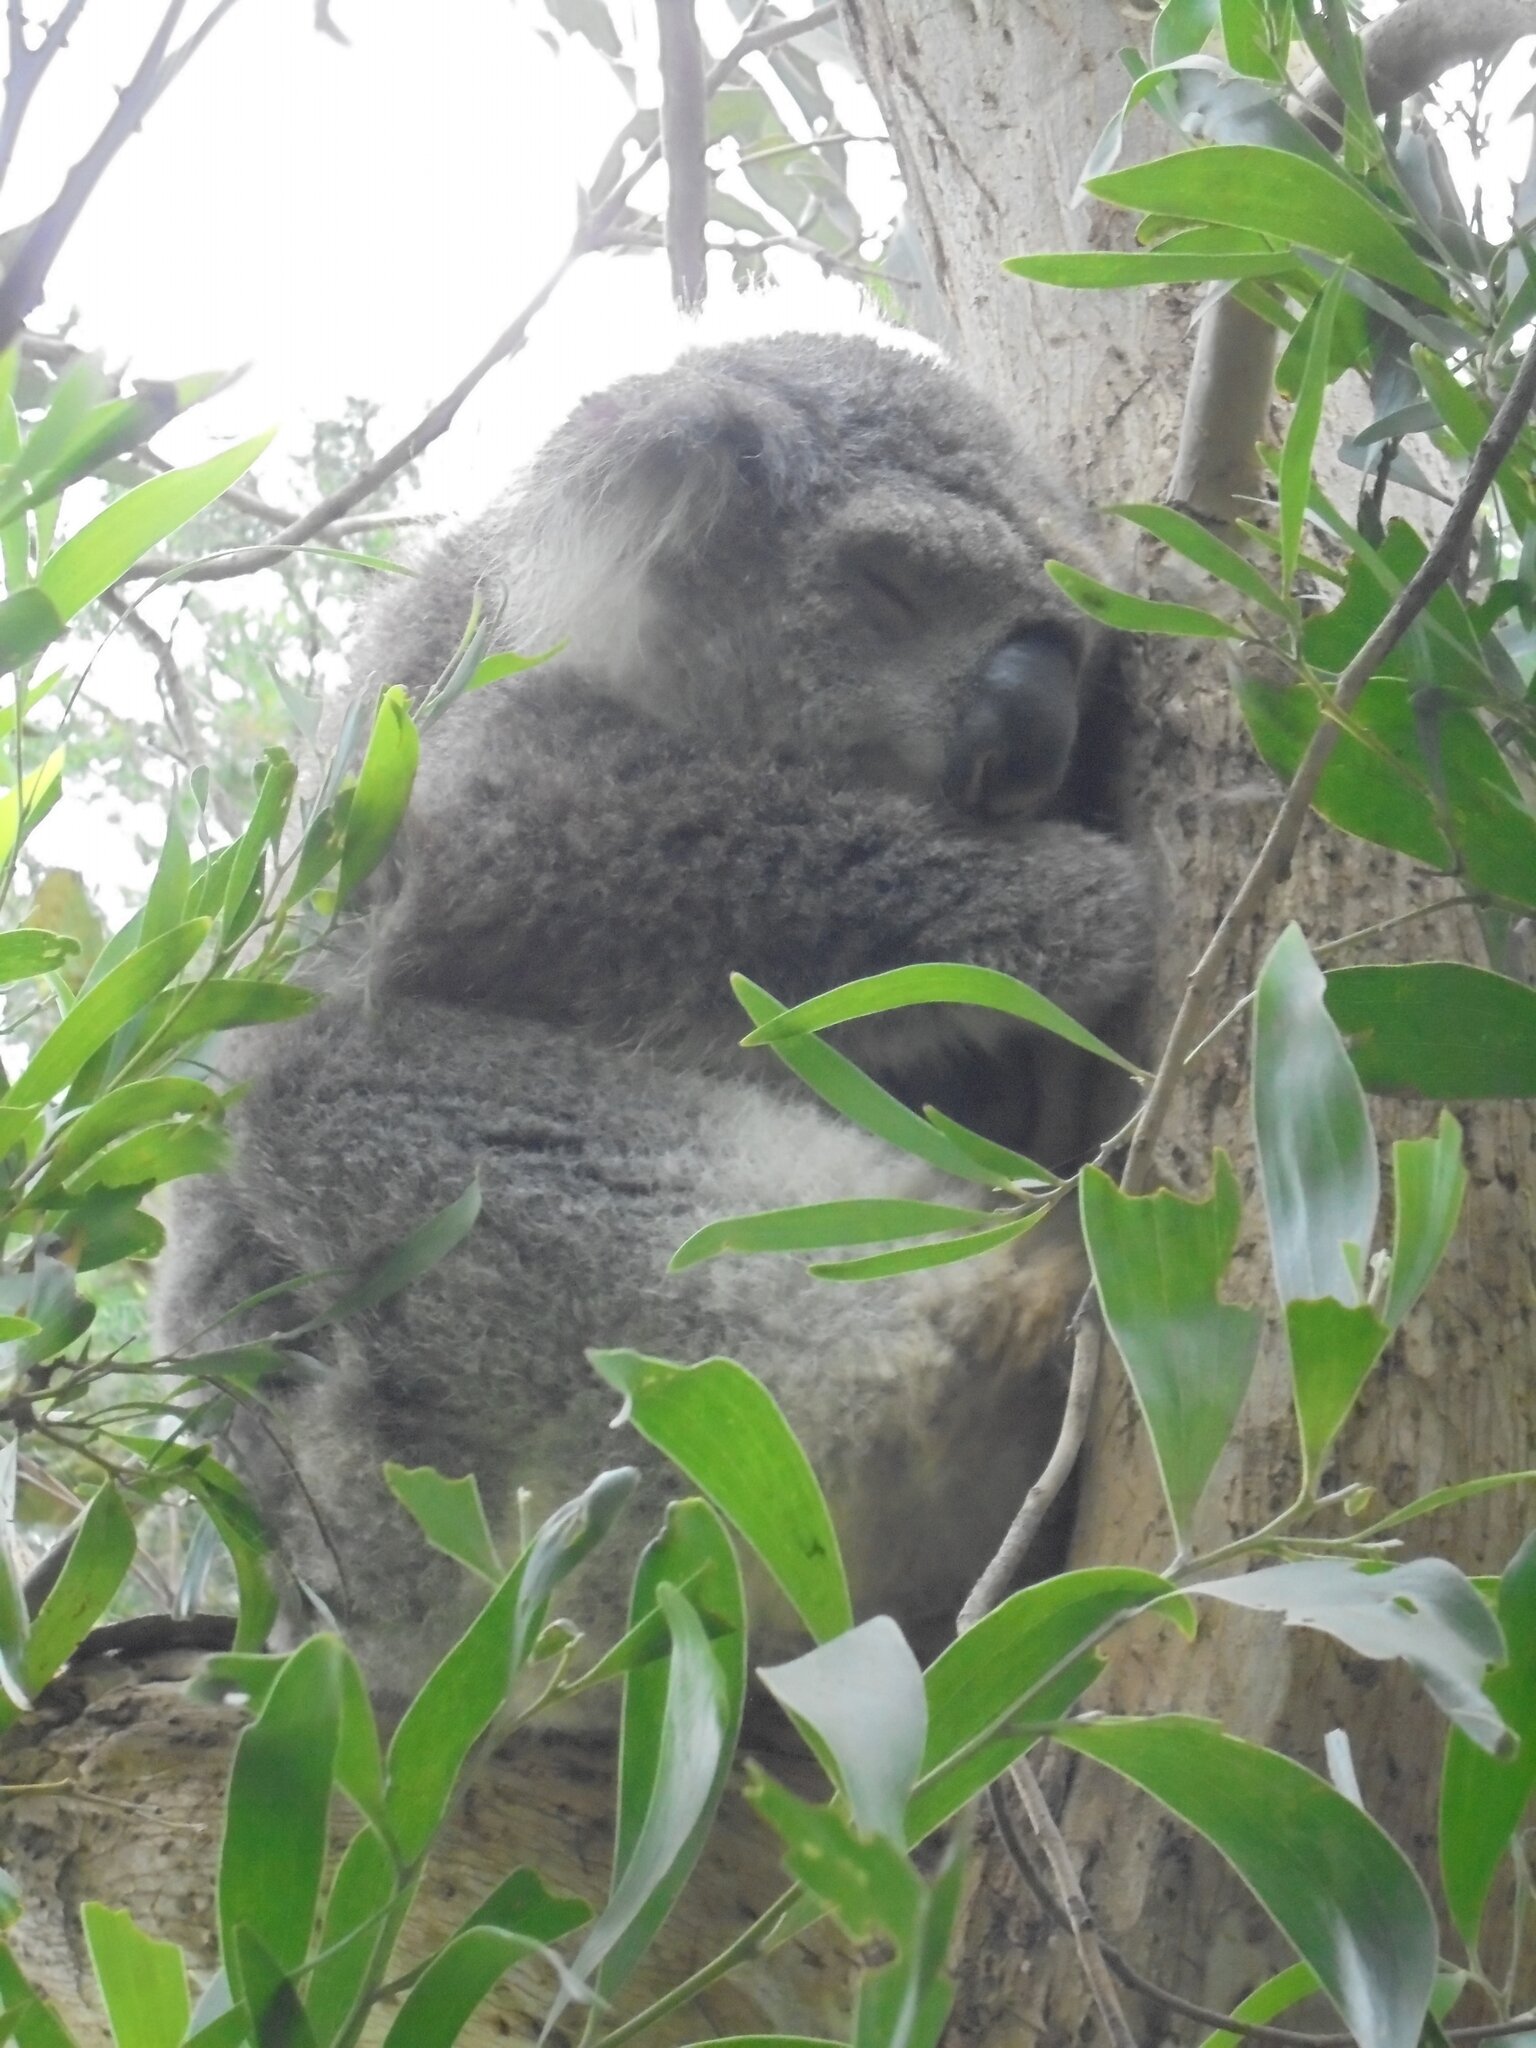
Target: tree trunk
994	109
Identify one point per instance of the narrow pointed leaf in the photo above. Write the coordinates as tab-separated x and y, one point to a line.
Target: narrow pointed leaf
1128	614
1197	544
102	1010
1158	1263
143	1982
1438	1029
1429	1185
1274	192
1332	1349
1426	1613
1483	1797
1306	418
1020	1666
725	1432
98	1562
275	1822
1317	1153
1339	1890
858	1700
818	1226
938	982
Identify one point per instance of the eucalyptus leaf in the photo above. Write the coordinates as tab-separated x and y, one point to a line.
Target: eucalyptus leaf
1340	1891
858	1700
1484	1794
1424	1612
143	1982
725	1432
1317	1153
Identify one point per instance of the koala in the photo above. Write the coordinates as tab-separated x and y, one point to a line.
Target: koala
816	712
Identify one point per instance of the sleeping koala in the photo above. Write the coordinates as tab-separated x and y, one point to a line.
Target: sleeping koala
817	712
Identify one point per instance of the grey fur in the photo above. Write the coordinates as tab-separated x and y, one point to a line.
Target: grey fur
814	717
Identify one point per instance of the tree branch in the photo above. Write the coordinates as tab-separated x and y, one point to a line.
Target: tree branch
999	1575
25	68
1079	1917
684	138
1417	43
27	274
1274	856
590	234
1226	405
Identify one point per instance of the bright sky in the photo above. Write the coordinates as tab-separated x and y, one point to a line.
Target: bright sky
358	221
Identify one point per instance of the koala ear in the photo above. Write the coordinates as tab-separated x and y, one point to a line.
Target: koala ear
664	463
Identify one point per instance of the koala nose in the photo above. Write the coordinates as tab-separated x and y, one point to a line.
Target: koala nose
1011	746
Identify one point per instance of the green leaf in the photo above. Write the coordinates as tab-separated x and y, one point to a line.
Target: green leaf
686	1771
415	1254
27	954
1447	1496
902	987
93	559
28	624
1158	1262
1120	270
523	1904
694	1554
128	1108
1425	1612
449	1514
1273	1997
1335	1885
689	1570
858	1701
99	1557
143	1982
270	1995
102	1011
818	1225
907	2003
1306	418
865	1880
383	790
1020	1666
725	1432
468	1689
440	2004
855	1096
1197	544
1317	1153
278	777
1429	1183
1183	28
1436	1029
31	2017
275	1820
40	791
1332	1349
1483	1797
919	1258
1128	614
1273	192
356	1924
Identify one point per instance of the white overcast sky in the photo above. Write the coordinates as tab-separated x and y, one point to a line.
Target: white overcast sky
358	221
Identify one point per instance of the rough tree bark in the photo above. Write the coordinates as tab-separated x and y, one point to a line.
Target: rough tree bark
994	106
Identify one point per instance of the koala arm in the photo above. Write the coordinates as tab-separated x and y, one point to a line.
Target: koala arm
593	868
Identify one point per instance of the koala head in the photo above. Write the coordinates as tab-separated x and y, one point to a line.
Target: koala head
811	544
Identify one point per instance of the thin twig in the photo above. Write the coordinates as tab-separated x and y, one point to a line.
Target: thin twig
1188	2008
1079	1916
25	68
999	1575
1274	856
26	275
684	139
590	234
